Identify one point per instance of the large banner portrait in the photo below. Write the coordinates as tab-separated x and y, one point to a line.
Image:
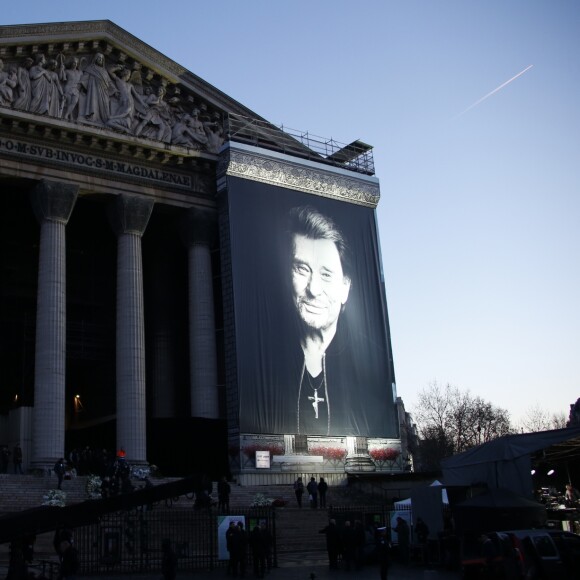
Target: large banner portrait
312	340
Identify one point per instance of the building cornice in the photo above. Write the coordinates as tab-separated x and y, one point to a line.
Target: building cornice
264	166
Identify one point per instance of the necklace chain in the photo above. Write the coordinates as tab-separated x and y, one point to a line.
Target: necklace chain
315	388
324	384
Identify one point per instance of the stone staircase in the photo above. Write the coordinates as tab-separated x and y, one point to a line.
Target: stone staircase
22	492
297	529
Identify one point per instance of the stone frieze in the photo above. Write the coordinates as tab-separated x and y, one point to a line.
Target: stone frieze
301	177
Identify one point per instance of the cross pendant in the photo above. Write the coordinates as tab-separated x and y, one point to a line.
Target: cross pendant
315	400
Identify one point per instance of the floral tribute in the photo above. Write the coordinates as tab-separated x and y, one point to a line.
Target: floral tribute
330	453
93	487
55	497
260	500
385	454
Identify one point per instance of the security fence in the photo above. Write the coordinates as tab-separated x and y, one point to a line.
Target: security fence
129	542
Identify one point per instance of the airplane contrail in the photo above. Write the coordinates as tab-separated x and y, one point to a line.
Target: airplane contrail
495	90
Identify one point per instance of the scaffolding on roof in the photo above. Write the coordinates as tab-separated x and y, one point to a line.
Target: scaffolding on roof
356	156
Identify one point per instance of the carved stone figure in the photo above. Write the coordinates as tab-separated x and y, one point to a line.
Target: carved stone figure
55	93
23	88
215	134
98	87
71	77
8	81
114	95
40	81
198	128
123	106
157	117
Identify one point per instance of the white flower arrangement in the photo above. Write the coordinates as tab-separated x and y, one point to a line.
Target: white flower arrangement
93	487
55	497
140	472
260	500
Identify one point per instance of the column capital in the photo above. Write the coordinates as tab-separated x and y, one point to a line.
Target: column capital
54	200
198	226
129	214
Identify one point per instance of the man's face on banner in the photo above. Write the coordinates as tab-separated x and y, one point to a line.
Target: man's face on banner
319	286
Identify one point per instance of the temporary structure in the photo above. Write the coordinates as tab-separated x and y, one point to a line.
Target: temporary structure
506	462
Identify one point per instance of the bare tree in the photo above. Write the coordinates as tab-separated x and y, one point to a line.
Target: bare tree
538	419
451	421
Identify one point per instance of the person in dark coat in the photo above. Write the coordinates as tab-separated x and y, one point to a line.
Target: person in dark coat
17	458
224	490
422	531
169	560
332	543
59	469
268	540
243	552
359	544
383	552
312	489
233	546
403	535
348	545
299	491
258	552
5	458
69	560
322	489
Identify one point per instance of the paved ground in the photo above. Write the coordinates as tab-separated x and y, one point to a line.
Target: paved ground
305	572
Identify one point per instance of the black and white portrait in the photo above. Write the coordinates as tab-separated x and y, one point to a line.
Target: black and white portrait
313	346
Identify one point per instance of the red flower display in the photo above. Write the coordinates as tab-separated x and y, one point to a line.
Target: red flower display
333	453
385	454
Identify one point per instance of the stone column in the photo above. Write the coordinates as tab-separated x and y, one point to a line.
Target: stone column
129	218
162	342
53	204
197	230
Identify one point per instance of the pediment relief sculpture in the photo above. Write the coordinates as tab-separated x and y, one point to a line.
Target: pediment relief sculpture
108	90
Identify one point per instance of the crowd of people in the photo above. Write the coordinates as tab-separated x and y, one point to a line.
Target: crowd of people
316	492
6	454
239	543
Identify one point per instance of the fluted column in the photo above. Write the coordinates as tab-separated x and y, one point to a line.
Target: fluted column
197	230
53	203
129	218
162	341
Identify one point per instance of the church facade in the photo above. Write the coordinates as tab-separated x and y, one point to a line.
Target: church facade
146	290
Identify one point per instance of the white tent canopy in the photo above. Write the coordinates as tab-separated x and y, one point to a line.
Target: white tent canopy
406	503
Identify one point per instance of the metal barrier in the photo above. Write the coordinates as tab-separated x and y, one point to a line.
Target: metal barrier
129	542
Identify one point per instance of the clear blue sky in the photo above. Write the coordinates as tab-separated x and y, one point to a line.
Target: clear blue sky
480	209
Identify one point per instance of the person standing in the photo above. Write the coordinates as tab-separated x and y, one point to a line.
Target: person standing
299	491
243	552
383	552
422	531
69	560
233	547
403	535
359	544
258	552
332	543
5	458
348	545
224	490
322	489
312	489
59	469
17	458
267	539
169	561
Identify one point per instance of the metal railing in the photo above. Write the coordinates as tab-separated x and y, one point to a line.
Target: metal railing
356	156
130	542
